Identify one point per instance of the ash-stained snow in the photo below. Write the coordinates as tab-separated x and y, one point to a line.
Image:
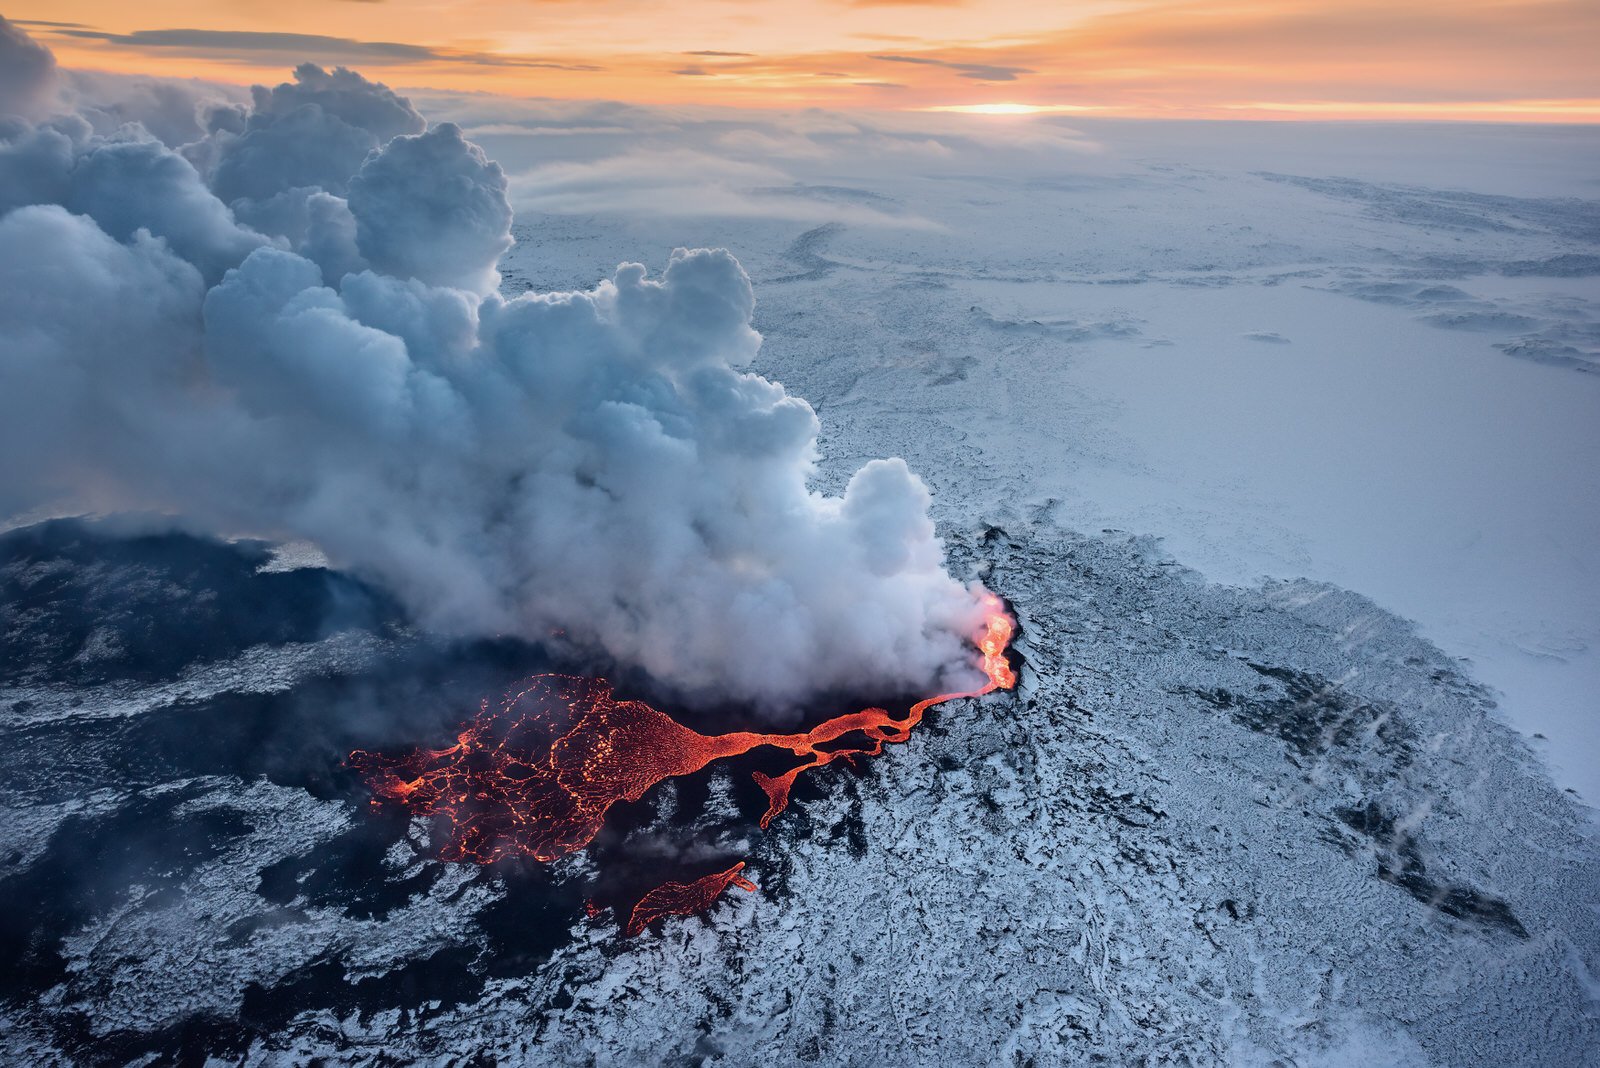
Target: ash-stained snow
1213	825
258	669
1261	460
1115	864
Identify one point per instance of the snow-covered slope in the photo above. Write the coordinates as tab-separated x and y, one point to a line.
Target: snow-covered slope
1212	825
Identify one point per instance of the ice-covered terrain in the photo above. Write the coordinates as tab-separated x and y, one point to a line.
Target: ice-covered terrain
1282	442
1196	333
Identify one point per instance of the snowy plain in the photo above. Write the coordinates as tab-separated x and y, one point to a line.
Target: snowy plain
1360	353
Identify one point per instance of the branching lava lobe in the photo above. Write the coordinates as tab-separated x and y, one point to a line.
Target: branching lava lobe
684	899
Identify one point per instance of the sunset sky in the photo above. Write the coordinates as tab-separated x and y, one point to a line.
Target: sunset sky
1470	59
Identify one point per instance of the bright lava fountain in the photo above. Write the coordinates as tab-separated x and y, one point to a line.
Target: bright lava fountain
536	775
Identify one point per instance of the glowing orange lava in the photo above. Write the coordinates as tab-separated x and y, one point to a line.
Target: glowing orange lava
684	899
537	775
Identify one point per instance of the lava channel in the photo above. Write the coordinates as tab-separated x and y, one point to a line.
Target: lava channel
536	774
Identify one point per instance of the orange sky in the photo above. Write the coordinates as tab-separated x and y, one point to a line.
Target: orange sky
1487	59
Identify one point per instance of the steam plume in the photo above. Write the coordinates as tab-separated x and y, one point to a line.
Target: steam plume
289	327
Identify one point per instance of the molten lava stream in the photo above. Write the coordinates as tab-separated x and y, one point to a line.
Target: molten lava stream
684	899
537	775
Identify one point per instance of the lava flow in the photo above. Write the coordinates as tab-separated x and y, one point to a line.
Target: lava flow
684	899
536	775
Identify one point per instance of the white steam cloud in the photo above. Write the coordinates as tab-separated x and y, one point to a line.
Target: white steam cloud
289	327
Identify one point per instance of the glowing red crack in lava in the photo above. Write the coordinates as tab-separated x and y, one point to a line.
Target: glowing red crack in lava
536	775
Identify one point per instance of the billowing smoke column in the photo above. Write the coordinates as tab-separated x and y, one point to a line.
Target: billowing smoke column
288	326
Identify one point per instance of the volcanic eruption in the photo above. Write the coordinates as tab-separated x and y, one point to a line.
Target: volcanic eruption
536	774
284	322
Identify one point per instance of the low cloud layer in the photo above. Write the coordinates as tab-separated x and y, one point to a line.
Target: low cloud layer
565	157
290	327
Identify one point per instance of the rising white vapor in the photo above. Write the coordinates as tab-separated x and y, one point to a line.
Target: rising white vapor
290	328
28	75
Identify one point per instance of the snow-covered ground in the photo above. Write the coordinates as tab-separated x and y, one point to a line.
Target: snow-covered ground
1211	826
1358	353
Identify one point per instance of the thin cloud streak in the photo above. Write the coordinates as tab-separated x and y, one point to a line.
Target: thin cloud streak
978	71
299	46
